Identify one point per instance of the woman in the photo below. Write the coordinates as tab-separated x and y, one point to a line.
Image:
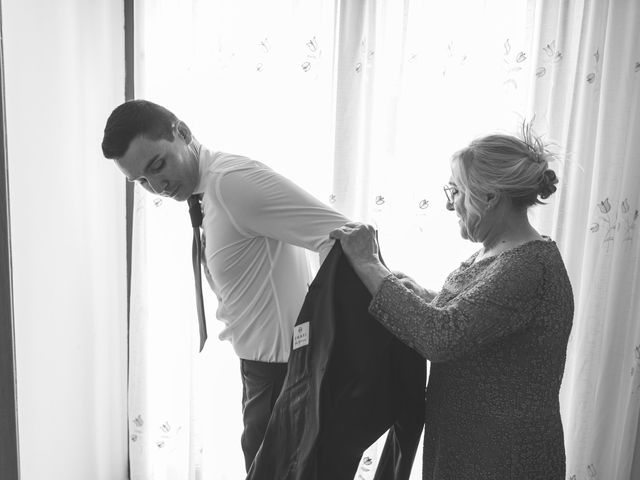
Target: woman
497	332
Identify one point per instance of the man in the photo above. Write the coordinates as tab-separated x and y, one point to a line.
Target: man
256	224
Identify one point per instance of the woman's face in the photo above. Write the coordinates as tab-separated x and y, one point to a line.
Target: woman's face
458	206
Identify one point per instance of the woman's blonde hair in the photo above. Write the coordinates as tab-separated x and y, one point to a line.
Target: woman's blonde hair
507	166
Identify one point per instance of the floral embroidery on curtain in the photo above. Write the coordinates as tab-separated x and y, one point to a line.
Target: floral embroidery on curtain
620	220
363	106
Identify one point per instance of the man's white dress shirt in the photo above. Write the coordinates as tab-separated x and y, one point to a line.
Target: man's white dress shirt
256	226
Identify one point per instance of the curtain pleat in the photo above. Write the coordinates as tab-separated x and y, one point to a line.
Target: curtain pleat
363	103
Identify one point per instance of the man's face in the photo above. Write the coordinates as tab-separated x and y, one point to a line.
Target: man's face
165	168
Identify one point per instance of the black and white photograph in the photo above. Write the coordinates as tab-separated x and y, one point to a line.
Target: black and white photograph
320	240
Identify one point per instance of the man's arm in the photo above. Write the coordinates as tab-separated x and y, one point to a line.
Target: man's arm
264	203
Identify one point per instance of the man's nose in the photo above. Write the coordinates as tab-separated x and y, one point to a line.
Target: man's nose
158	186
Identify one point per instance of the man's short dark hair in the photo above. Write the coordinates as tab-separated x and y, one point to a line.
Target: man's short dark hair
132	119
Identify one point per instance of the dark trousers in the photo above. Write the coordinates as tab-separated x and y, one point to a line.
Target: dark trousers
261	385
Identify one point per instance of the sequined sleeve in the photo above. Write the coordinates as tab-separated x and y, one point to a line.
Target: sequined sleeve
491	304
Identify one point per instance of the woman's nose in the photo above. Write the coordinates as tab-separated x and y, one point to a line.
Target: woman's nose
450	206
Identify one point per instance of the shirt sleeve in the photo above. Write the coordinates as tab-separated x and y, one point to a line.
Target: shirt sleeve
261	202
497	304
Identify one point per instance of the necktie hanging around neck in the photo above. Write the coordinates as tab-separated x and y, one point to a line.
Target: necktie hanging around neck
195	212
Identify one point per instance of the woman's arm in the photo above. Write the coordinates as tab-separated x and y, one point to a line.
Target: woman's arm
415	287
495	305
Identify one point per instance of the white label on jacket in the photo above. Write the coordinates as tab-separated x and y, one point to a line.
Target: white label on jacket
301	335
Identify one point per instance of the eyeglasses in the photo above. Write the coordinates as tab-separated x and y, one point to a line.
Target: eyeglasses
450	192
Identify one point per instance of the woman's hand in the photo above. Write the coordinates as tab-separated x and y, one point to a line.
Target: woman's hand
359	242
360	245
412	285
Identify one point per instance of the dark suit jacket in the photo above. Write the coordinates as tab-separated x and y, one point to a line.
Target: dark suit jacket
343	390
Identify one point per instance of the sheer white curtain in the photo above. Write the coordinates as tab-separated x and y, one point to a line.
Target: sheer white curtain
362	103
590	102
248	77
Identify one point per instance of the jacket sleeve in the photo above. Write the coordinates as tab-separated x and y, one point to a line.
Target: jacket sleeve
494	306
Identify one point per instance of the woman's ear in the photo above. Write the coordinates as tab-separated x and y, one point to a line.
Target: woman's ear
492	200
183	131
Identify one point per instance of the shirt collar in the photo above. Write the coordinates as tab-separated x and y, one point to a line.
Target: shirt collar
205	159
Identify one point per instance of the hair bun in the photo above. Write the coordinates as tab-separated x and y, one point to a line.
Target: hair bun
547	184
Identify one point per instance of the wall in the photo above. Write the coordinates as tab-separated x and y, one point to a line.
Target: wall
635	469
64	64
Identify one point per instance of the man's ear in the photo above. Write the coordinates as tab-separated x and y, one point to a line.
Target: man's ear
183	131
